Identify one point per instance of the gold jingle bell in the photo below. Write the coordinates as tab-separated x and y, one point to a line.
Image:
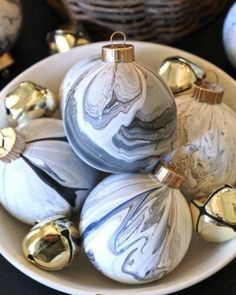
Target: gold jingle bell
214	217
179	73
28	101
67	37
52	243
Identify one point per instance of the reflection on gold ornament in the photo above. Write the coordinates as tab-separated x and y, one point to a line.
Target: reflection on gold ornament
29	101
52	243
214	216
179	73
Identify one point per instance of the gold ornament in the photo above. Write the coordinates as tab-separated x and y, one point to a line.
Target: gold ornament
214	217
67	37
52	243
29	101
179	73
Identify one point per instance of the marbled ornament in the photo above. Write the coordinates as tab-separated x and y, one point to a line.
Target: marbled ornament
48	178
120	117
204	145
80	69
229	35
134	228
10	21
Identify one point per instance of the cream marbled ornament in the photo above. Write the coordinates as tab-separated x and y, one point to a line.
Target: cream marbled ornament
120	117
40	174
134	228
204	144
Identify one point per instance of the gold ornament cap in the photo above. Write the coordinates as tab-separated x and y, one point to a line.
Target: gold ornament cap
168	174
12	144
118	53
204	91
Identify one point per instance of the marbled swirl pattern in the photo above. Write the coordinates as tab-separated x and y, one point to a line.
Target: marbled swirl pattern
78	71
48	179
135	229
120	117
10	21
204	145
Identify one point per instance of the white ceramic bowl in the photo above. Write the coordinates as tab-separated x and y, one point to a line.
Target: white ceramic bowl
202	260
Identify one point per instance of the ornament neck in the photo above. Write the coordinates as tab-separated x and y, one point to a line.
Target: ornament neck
118	53
168	174
204	91
12	144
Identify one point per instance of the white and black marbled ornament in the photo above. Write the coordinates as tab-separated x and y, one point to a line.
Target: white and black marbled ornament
46	178
10	21
204	144
134	228
120	116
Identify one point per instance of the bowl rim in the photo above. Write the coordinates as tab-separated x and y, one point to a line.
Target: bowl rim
32	272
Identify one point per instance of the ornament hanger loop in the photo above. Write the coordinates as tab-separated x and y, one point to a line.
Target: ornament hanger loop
118	33
214	74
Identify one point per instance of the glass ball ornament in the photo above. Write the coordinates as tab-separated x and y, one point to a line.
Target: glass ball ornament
120	117
40	175
205	140
136	227
52	243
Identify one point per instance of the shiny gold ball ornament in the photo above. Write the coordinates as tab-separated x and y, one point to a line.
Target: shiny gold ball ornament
52	243
214	216
28	101
67	37
180	73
